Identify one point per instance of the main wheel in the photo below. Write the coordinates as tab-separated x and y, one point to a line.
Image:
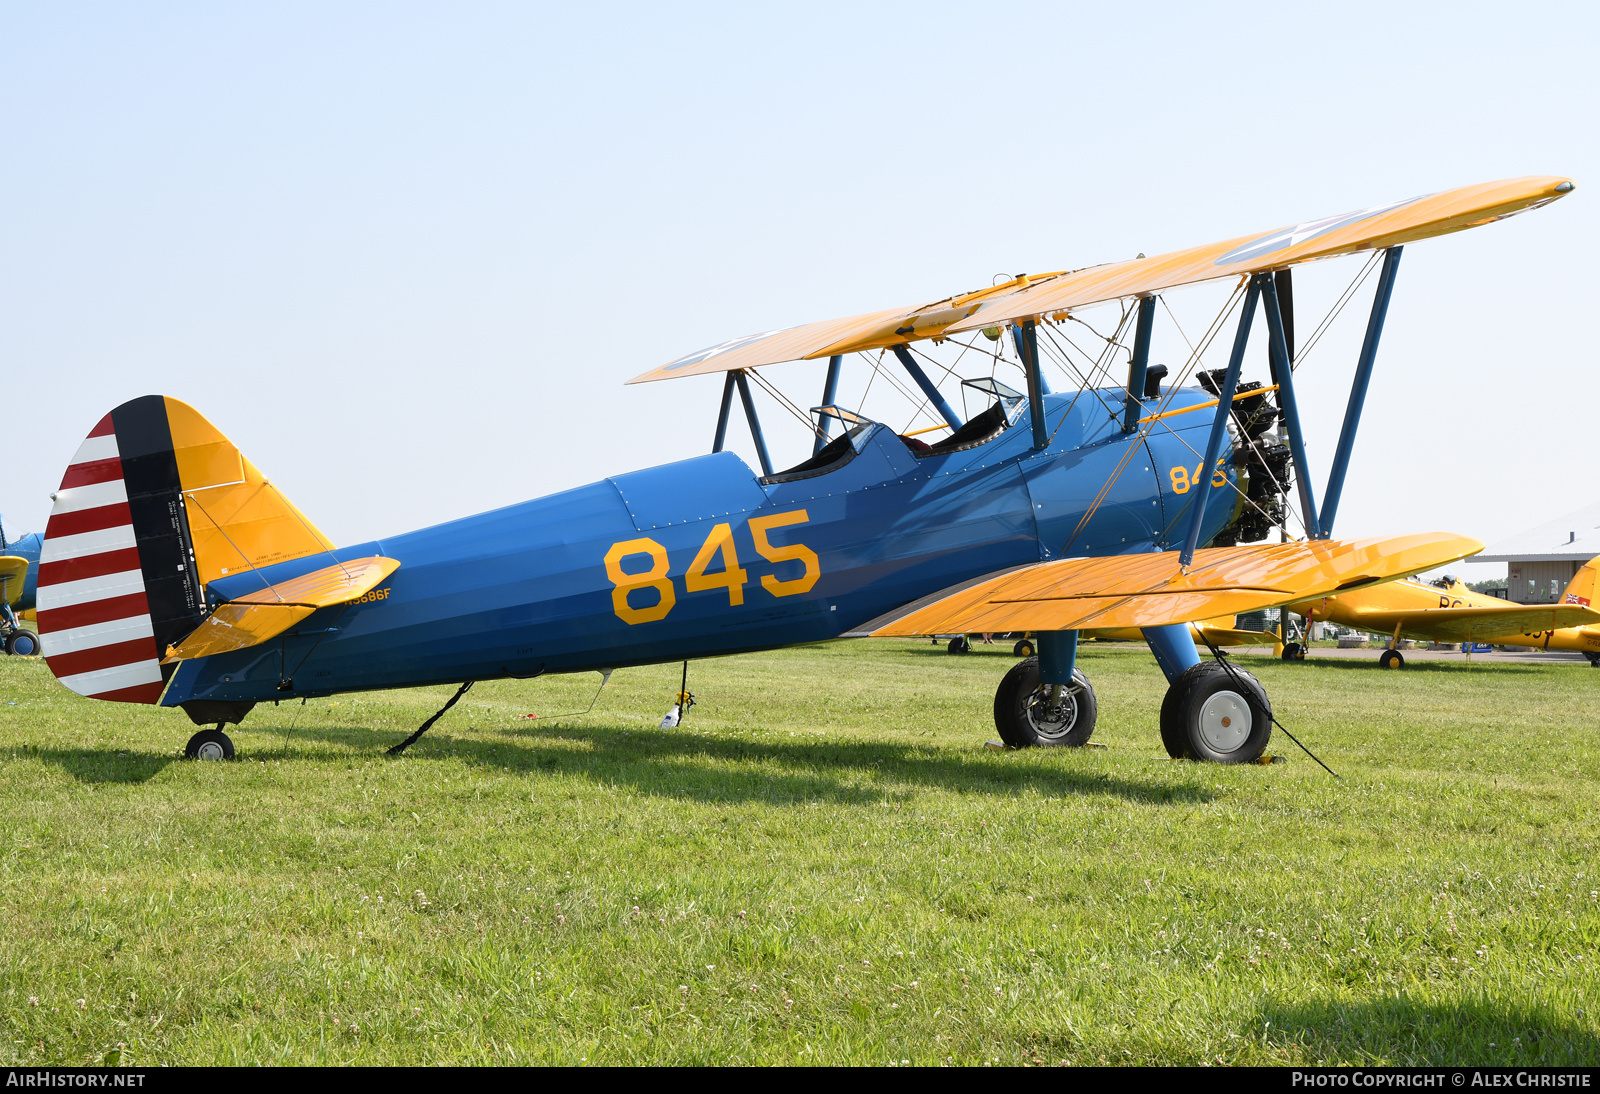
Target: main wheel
1024	648
1212	713
1594	660
1294	651
1028	713
959	644
1391	659
23	644
209	744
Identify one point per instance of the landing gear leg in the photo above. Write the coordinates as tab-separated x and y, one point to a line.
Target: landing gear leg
209	744
1047	700
1390	658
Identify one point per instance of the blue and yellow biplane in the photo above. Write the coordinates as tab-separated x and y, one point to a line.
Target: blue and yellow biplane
174	572
19	577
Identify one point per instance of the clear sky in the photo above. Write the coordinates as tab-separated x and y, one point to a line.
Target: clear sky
406	255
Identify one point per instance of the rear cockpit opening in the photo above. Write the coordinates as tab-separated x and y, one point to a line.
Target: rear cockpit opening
981	428
837	452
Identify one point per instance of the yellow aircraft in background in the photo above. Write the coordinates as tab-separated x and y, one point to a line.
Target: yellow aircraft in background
1448	611
1221	631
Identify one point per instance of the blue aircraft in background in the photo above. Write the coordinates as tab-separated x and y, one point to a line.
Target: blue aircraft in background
174	572
19	577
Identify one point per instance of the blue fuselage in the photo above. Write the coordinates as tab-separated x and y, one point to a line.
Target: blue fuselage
635	569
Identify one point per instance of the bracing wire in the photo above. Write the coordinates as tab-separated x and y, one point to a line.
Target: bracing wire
237	549
784	401
861	407
1129	450
1334	312
1233	675
1283	488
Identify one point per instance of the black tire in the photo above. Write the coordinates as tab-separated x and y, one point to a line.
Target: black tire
1200	715
22	644
1594	660
1024	648
1027	718
1391	659
1294	651
209	744
959	644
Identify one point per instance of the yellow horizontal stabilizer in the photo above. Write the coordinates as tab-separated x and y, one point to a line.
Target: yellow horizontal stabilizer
256	617
13	572
1152	590
336	584
1477	622
236	627
1053	295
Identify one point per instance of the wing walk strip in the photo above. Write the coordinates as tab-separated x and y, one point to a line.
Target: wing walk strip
92	605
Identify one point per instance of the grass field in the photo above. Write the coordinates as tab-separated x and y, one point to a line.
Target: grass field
823	865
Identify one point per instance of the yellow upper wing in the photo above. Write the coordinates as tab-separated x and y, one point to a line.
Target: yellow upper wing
873	330
1153	590
1363	230
1053	295
1473	622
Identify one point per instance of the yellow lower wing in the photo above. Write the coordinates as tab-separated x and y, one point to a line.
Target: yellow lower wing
13	572
1153	590
1228	636
1220	630
252	619
1458	624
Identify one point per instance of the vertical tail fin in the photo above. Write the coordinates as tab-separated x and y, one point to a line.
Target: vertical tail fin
1581	590
155	503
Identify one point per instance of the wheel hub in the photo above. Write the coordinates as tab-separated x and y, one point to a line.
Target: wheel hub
1225	721
211	750
1053	711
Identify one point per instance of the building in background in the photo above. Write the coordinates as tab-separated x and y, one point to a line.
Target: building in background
1540	562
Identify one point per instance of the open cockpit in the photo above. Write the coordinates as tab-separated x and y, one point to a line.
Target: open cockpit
1000	415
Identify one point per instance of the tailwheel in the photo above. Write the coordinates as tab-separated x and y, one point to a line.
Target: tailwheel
959	644
1216	712
1294	651
1028	713
1391	659
1024	648
209	744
